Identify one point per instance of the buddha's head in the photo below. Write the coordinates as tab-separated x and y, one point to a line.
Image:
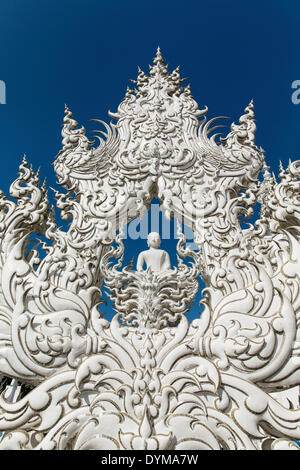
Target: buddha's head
153	240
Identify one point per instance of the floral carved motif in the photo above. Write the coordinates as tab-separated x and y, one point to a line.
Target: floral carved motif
150	379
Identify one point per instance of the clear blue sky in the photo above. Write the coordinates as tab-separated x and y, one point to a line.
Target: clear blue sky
83	52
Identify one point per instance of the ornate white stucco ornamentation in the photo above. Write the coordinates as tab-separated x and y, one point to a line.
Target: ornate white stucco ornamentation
149	379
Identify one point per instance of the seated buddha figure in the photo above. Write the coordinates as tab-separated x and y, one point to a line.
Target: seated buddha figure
155	259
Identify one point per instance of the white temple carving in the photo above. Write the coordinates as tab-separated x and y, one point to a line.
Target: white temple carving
150	379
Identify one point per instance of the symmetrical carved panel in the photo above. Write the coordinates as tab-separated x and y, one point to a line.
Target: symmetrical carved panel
150	379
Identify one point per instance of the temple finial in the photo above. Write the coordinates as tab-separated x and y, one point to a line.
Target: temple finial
158	59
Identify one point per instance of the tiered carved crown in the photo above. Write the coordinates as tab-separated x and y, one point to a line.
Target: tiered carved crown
160	131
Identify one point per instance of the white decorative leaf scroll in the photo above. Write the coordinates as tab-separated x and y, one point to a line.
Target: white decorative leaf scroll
149	379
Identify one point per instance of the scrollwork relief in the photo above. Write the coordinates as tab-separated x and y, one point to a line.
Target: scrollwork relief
150	379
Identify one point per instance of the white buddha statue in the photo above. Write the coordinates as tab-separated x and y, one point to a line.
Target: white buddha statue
154	258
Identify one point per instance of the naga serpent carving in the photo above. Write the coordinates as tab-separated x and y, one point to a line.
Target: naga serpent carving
150	379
